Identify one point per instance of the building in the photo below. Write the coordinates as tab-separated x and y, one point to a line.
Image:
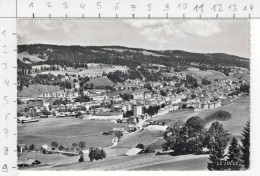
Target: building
28	163
217	104
211	106
106	116
76	85
137	110
35	103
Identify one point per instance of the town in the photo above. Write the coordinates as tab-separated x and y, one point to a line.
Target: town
107	107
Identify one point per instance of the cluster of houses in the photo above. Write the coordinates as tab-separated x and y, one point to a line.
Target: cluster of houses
102	105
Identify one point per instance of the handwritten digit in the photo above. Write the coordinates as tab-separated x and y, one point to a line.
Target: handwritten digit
133	7
166	7
6	117
99	5
4	33
7	82
65	5
6	100
82	6
5	168
4	66
49	4
149	7
5	49
183	6
6	150
31	4
117	6
5	131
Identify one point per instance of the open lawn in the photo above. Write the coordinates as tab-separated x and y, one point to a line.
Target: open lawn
66	131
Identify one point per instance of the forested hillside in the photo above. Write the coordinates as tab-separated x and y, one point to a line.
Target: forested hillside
78	56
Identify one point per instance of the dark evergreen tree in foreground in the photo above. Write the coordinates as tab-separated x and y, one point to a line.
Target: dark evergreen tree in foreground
217	142
246	146
217	155
234	161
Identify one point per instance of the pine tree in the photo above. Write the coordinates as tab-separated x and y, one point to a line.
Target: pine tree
217	155
216	141
246	146
234	161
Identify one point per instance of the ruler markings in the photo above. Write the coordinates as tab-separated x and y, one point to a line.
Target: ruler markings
89	9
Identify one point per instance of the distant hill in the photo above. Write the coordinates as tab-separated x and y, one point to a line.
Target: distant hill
118	55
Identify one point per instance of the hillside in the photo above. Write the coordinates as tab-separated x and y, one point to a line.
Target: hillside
130	57
29	59
36	89
210	75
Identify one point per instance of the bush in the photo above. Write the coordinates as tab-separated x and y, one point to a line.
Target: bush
31	147
81	158
140	146
96	153
149	149
44	151
61	148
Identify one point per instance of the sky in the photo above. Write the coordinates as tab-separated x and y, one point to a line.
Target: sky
200	36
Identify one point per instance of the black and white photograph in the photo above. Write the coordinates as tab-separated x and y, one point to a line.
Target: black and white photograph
133	95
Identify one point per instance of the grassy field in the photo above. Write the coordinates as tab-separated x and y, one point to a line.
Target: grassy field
31	57
239	110
66	131
35	89
138	162
195	164
145	137
101	82
211	75
93	69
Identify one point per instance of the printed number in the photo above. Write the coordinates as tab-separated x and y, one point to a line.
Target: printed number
6	150
82	6
183	6
99	5
133	7
65	5
149	6
49	4
232	7
5	168
117	6
251	7
217	8
198	8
